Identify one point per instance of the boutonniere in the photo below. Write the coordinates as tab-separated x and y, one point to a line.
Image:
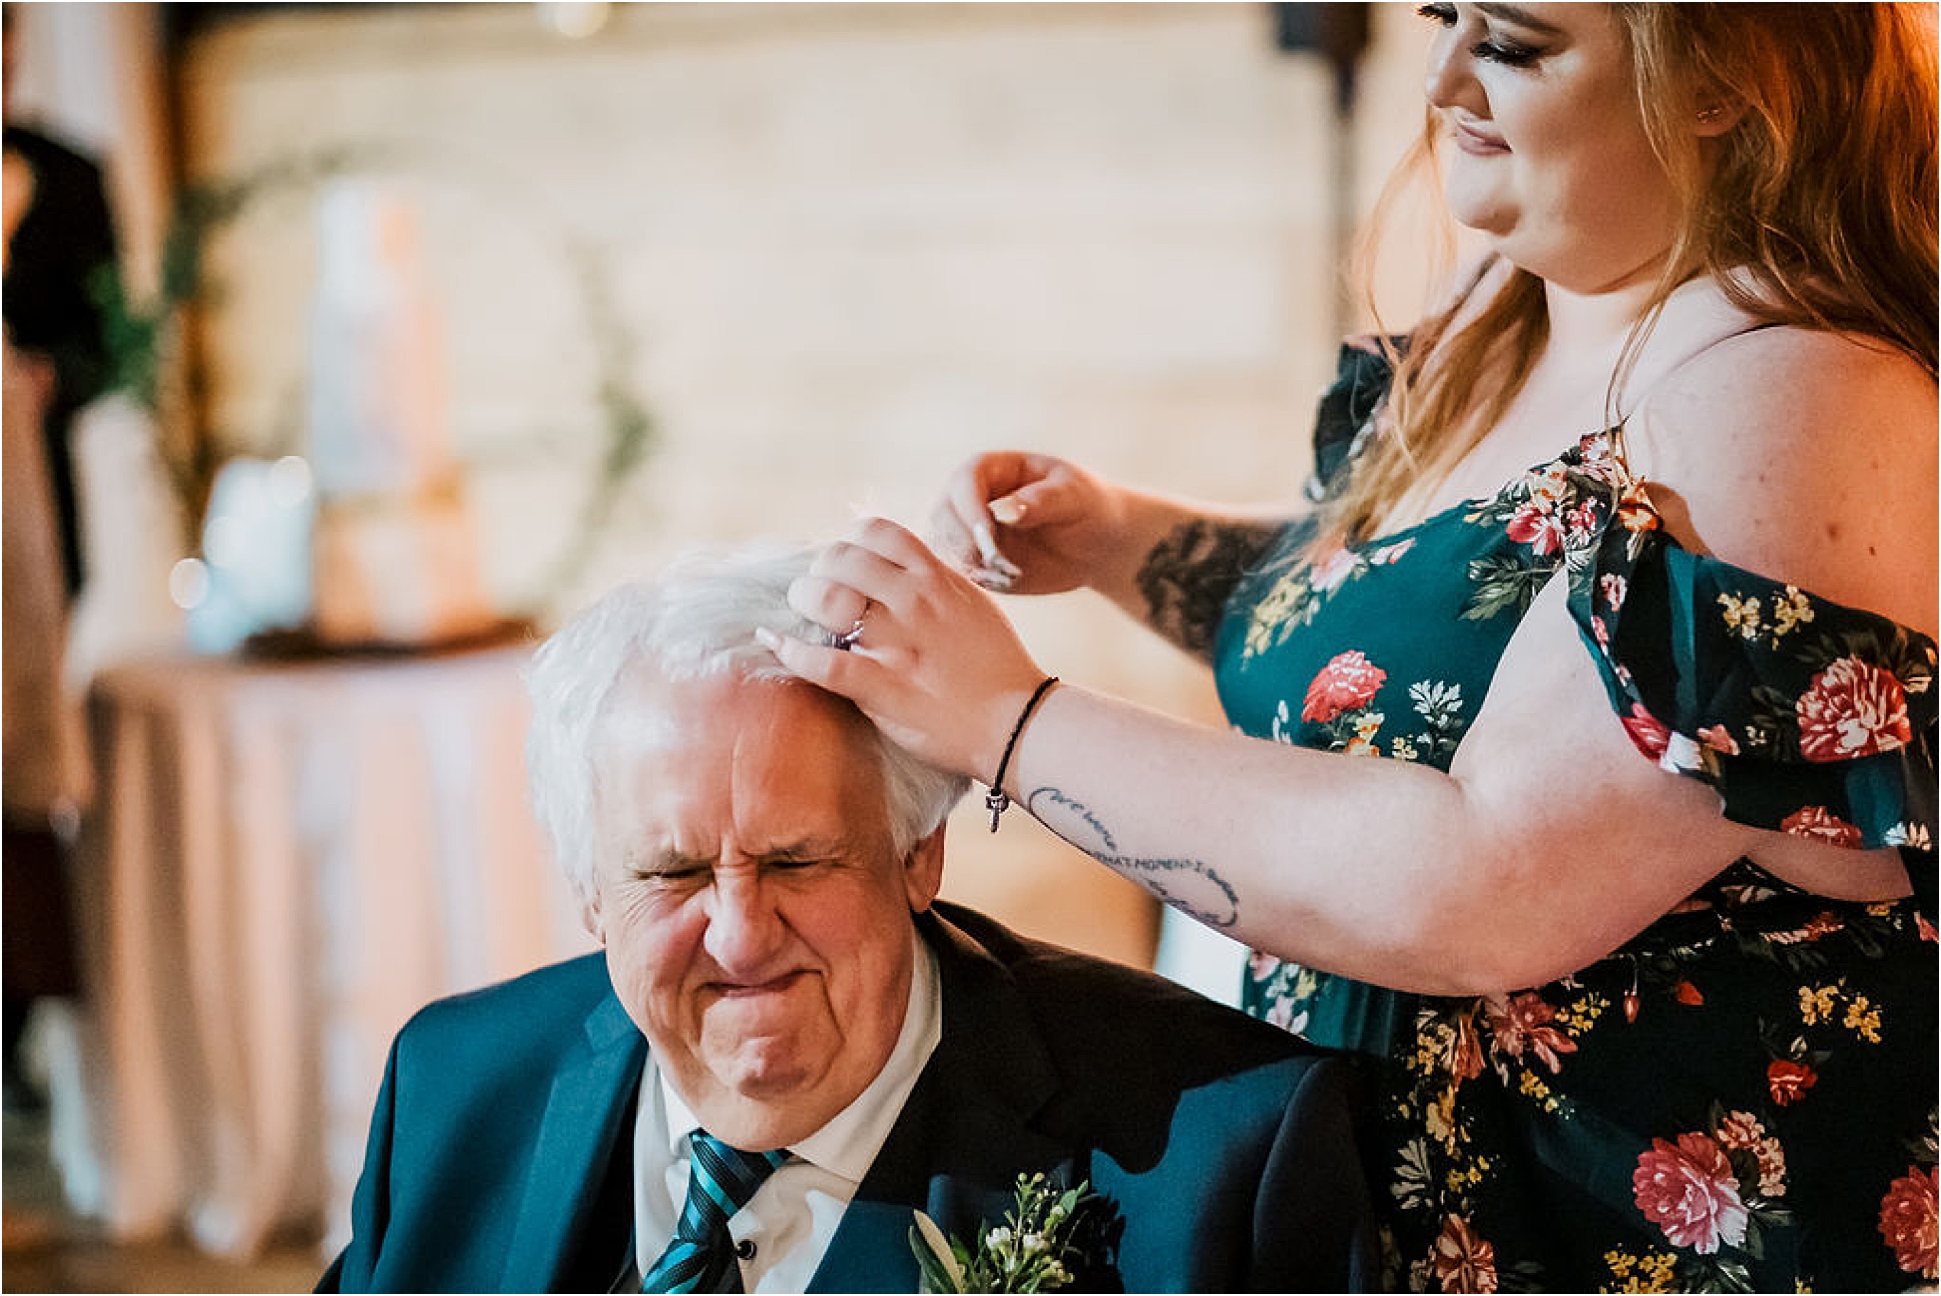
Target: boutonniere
1031	1251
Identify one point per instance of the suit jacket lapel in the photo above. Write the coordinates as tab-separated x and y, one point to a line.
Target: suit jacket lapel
591	1096
964	1134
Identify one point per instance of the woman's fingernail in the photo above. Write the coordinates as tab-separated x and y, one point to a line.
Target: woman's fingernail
1009	511
986	544
768	639
995	581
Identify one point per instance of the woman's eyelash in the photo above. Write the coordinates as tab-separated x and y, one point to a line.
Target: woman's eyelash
1495	49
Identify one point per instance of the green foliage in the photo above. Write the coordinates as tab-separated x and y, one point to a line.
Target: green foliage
1031	1251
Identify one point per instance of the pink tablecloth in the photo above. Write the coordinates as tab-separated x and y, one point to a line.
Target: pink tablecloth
288	860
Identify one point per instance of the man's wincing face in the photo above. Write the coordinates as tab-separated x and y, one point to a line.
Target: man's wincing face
757	921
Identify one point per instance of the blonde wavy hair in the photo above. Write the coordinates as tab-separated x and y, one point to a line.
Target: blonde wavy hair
1817	209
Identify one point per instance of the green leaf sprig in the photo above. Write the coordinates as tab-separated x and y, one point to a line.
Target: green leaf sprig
1031	1251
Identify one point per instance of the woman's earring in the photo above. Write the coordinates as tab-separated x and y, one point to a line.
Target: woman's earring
1707	116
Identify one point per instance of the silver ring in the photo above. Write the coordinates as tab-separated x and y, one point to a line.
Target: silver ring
848	638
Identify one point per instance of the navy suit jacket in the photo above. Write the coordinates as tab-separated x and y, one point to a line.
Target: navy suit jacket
500	1152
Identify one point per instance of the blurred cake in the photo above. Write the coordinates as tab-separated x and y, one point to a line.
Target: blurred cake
395	553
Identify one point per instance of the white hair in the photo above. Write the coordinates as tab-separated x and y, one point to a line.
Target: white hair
696	620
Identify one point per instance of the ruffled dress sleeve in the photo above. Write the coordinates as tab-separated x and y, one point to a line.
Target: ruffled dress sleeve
1344	418
1806	716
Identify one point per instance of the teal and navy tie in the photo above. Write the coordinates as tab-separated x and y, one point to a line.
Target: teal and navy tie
721	1179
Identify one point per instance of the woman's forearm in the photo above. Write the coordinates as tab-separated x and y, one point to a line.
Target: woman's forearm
1382	870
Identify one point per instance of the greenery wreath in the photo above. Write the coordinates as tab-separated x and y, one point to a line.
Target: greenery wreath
141	337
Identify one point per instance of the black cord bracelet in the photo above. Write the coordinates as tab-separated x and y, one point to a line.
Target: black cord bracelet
996	802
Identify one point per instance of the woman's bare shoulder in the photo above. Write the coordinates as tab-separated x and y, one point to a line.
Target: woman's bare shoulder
1809	456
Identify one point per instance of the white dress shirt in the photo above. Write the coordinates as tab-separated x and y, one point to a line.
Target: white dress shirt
793	1215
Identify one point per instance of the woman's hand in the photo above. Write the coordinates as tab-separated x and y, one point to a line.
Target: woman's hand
1026	523
925	654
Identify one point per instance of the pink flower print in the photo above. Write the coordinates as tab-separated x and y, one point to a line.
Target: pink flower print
1463	1261
1907	1221
1391	553
1687	1189
1651	737
1817	821
1281	1014
1613	587
1595	457
1823	923
1327	572
1522	1025
1346	682
1852	709
1789	1081
1461	1052
1719	739
1536	525
1742	1130
1581	521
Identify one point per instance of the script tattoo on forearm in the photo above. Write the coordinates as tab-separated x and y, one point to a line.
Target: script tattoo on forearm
1188	885
1188	577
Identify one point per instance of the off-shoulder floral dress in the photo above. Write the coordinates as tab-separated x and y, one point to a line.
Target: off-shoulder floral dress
1743	1096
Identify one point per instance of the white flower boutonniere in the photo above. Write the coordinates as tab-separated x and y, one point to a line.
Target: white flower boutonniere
1031	1251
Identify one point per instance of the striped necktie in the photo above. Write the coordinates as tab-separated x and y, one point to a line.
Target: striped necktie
721	1179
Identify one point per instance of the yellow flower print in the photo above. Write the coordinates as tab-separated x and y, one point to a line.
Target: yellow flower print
1741	615
1367	725
1657	1267
1790	609
1272	612
1439	1120
1580	1014
1863	1019
1531	1085
1651	1272
1431	1045
1402	749
1817	1005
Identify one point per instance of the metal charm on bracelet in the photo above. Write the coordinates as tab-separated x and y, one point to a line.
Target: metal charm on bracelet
996	801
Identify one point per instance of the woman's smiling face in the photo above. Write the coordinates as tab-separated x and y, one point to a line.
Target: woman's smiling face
1544	147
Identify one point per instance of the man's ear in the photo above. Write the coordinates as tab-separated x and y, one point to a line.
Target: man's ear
923	871
590	915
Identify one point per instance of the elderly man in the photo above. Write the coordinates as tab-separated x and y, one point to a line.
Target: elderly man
790	1048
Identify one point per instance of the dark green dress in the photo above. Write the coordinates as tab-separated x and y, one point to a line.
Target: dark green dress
1743	1096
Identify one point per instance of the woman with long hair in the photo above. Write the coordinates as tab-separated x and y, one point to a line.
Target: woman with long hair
1619	571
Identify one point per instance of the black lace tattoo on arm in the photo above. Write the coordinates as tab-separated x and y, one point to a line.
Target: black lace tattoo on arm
1188	577
1188	885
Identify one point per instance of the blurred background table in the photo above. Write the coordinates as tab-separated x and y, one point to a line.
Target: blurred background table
288	858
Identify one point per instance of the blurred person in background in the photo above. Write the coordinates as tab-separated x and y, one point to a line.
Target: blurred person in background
59	246
790	1047
1618	574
